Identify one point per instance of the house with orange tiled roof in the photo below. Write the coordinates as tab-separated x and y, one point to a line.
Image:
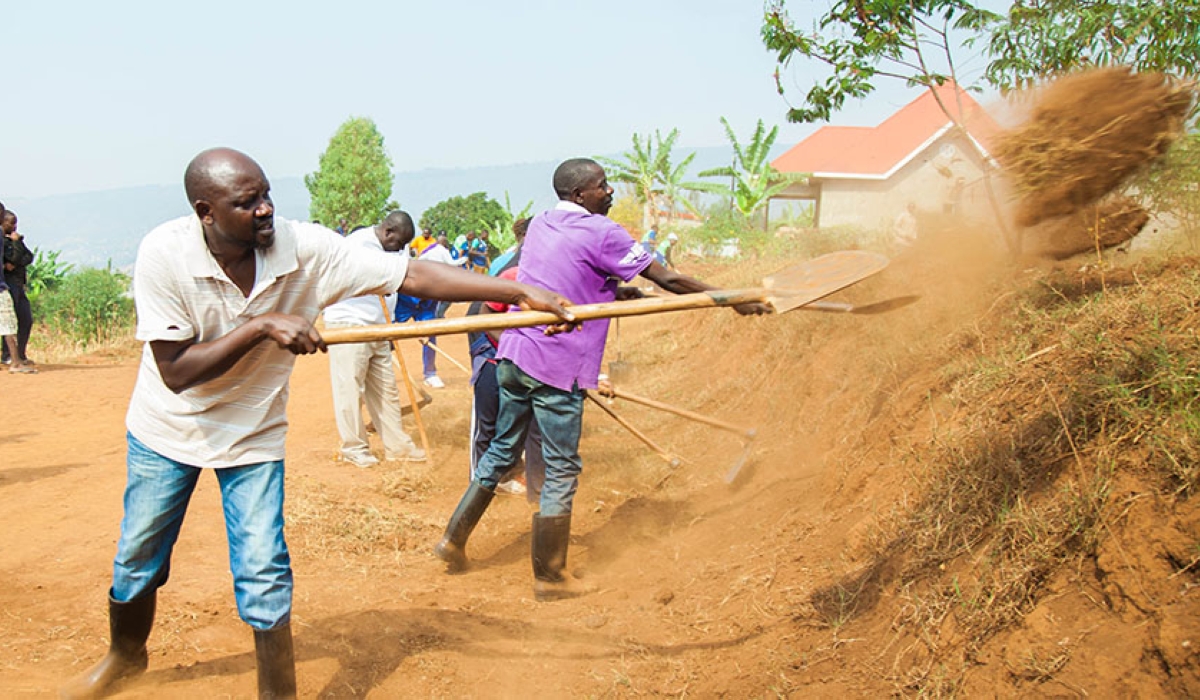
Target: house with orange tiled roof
865	176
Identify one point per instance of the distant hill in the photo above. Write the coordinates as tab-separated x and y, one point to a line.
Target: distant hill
94	228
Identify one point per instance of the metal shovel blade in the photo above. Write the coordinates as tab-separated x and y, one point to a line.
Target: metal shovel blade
877	307
809	281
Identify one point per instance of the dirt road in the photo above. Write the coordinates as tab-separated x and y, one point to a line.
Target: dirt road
374	612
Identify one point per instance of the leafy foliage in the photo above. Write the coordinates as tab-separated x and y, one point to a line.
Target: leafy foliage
860	40
721	224
354	178
88	305
753	180
45	272
500	230
1044	37
461	215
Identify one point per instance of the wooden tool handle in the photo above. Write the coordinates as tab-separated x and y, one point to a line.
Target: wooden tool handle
402	368
747	433
666	456
524	319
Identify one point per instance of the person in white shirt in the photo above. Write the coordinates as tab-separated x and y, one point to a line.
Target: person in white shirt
226	299
365	369
439	252
904	228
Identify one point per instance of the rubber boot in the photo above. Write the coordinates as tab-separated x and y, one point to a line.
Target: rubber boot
129	627
276	663
551	581
453	547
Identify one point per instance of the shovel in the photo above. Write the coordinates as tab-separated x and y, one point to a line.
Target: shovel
791	288
746	434
618	369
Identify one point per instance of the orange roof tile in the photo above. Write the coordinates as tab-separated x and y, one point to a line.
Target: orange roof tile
876	152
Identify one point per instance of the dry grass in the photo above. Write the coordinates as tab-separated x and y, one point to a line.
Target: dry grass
1019	485
408	482
329	527
49	347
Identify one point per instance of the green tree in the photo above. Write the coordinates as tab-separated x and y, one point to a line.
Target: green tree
674	189
88	305
500	230
46	272
857	41
647	168
1042	37
753	181
354	178
459	215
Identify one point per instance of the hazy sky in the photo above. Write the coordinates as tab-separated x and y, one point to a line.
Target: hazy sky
105	95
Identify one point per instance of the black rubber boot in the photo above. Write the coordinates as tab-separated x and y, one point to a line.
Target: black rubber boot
129	627
276	663
551	581
453	547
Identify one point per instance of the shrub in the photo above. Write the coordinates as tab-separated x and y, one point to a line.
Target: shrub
88	305
45	272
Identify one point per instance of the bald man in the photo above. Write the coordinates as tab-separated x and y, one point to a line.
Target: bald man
226	299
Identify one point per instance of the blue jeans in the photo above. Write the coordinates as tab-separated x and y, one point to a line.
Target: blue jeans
429	358
483	431
559	415
157	492
420	310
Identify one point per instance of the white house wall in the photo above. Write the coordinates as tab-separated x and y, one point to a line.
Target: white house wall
927	180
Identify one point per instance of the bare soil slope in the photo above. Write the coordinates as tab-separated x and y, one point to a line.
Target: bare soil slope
771	586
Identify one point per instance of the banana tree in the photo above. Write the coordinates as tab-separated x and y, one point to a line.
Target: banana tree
46	272
674	187
752	179
647	168
500	228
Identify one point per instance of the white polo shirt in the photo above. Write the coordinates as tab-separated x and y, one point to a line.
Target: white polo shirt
364	310
181	293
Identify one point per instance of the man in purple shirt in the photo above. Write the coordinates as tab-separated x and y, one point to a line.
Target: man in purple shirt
575	250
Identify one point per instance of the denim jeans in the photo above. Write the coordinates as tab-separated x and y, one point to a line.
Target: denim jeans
486	409
429	358
559	415
157	492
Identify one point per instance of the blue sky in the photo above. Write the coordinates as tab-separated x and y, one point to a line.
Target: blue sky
105	95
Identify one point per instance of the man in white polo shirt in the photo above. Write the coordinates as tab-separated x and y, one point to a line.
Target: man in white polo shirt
226	299
365	369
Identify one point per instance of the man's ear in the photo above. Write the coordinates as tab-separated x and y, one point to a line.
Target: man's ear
203	210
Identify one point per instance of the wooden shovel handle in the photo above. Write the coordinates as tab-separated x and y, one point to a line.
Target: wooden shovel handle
402	369
524	319
667	457
747	433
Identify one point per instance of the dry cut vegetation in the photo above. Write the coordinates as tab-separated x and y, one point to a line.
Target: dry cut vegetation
1076	428
1087	133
